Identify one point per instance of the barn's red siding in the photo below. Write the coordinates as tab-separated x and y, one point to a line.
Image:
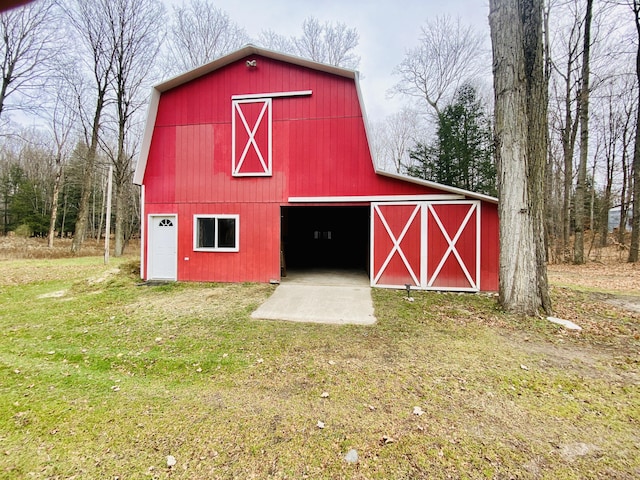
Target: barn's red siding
319	142
319	149
489	242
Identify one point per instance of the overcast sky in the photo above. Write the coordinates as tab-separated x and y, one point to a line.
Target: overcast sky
387	28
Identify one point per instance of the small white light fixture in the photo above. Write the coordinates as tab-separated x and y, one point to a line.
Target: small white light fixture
252	63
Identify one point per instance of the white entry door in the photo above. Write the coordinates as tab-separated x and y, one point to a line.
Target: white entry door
163	251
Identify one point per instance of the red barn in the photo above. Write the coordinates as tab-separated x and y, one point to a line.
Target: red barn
261	159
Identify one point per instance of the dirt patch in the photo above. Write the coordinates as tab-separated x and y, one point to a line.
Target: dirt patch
612	281
612	277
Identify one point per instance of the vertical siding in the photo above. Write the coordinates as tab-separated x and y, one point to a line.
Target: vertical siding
319	149
258	258
489	246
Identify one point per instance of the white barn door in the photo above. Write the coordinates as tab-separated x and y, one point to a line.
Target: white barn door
162	247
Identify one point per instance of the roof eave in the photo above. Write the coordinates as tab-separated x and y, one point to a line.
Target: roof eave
243	52
438	186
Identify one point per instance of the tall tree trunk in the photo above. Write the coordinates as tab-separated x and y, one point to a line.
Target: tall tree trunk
635	224
578	248
87	183
119	221
521	149
54	201
622	224
569	133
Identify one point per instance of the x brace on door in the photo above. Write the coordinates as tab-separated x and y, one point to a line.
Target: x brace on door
264	169
396	244
251	141
452	245
460	242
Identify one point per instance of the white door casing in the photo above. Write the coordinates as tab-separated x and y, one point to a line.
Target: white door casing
162	257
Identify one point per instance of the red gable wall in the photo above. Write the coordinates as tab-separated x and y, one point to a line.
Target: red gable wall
319	142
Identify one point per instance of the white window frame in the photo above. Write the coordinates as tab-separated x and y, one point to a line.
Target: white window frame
217	217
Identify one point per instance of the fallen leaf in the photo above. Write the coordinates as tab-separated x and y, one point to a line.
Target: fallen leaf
320	424
324	394
171	461
524	367
417	411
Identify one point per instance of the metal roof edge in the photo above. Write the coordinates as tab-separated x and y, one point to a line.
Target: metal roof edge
186	77
439	186
152	112
244	52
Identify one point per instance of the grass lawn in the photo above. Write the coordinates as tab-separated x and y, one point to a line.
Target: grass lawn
103	378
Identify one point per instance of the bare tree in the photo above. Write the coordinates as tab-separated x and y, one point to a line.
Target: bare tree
394	137
27	47
330	43
566	85
62	123
199	33
578	248
133	30
629	107
91	25
521	146
448	55
275	41
634	246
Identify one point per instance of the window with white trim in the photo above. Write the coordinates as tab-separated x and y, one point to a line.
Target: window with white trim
216	233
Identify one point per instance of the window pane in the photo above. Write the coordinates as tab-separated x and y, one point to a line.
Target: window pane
206	232
226	233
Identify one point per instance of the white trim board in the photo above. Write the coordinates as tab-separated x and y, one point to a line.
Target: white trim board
255	96
375	198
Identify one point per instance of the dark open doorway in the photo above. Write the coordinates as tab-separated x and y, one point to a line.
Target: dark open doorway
326	237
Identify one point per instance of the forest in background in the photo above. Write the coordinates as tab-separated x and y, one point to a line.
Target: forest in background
84	69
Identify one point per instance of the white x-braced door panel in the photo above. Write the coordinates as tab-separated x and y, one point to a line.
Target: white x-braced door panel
396	237
428	245
453	240
251	132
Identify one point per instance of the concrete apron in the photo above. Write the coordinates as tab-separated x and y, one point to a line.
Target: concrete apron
327	296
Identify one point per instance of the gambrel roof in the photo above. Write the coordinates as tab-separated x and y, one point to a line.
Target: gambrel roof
246	51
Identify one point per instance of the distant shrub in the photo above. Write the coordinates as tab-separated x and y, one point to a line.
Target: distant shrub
23	231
